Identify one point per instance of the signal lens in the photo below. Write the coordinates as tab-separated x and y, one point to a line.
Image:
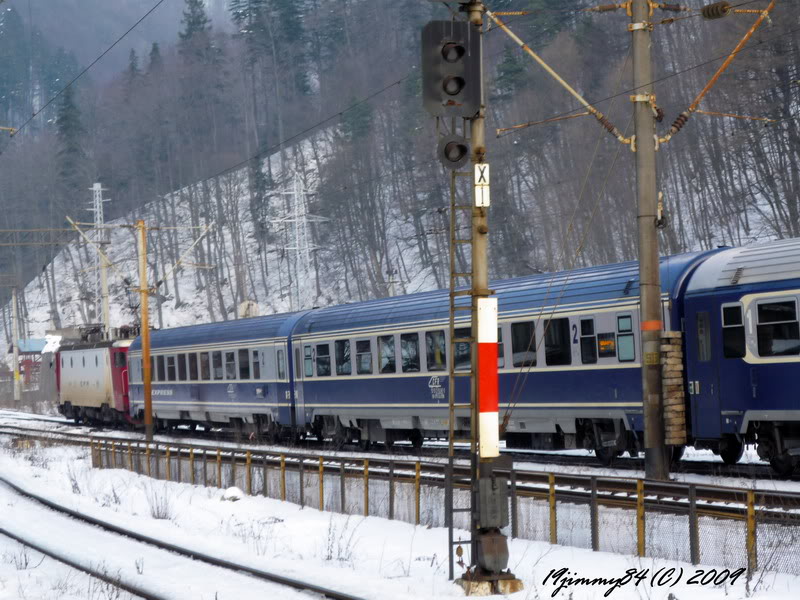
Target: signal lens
452	52
454	151
453	85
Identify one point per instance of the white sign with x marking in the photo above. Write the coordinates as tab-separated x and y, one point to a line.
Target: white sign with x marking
482	184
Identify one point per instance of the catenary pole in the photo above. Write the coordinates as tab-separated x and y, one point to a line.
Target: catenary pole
656	459
15	344
144	294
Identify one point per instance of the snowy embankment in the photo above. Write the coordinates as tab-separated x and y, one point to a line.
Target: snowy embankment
371	557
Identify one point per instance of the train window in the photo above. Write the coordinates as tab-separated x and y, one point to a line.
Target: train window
778	330
557	348
523	344
255	363
436	350
463	350
409	352
216	365
171	374
364	357
343	364
281	365
205	366
733	338
152	368
703	336
626	347
161	366
501	355
386	358
193	367
230	365
308	361
244	364
181	358
323	360
588	342
607	345
120	360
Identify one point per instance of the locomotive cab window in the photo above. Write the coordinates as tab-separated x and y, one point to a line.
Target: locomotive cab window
557	348
409	352
181	367
733	336
244	363
119	360
363	357
342	350
523	344
778	330
626	347
588	342
323	360
436	353
386	355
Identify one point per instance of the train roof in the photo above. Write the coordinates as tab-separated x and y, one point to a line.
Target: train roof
590	286
771	261
252	329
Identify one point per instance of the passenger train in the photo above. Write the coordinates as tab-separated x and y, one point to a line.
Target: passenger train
569	362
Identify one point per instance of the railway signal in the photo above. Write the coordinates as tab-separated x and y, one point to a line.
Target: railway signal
451	69
453	151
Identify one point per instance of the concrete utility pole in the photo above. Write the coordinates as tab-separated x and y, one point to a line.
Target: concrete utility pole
15	346
655	453
144	294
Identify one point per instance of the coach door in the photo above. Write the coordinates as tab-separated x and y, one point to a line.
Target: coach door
702	372
303	370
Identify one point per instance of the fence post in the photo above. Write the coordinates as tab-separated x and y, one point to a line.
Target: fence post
366	487
694	531
321	485
553	516
232	482
391	490
342	487
752	556
514	515
416	492
130	457
168	463
205	468
179	465
301	475
593	517
191	466
113	455
157	452
249	473
147	456
219	468
640	533
264	475
283	477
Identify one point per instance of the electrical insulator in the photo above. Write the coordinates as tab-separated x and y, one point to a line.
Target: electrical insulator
716	10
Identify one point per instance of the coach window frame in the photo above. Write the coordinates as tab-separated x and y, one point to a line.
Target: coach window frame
412	340
430	339
344	368
394	345
183	372
172	372
555	337
587	341
740	346
360	353
280	364
789	322
625	334
161	366
320	360
193	375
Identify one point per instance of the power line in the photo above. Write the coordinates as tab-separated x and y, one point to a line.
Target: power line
85	70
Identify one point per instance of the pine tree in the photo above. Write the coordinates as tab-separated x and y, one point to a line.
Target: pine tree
156	63
195	20
133	72
71	153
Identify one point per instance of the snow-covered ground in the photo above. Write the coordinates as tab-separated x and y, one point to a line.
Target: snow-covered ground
371	557
27	574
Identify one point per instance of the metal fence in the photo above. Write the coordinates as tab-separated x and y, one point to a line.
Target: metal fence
701	524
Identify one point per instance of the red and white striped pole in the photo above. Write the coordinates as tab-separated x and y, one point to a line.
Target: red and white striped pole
488	418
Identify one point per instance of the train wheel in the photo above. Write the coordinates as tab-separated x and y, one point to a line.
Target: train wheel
606	456
783	464
731	451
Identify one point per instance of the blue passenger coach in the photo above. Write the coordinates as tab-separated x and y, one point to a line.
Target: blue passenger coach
569	361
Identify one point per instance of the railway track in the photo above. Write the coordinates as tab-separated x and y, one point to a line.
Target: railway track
749	471
227	566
